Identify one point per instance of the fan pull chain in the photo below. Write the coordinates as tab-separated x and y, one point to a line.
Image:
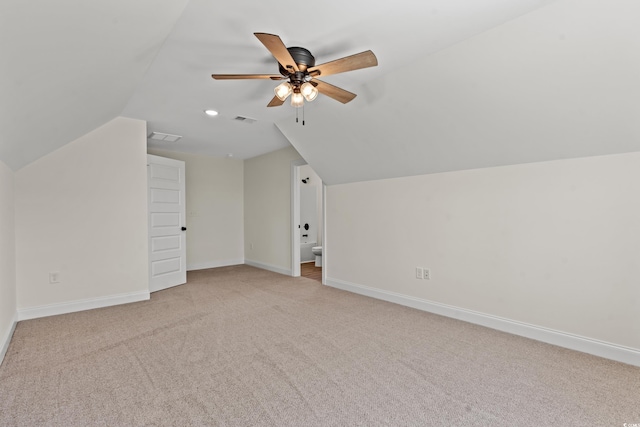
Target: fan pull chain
302	114
296	115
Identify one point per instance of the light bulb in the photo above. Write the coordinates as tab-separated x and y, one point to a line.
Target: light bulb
283	90
309	91
297	99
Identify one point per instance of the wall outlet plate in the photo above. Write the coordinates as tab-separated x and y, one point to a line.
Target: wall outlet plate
419	272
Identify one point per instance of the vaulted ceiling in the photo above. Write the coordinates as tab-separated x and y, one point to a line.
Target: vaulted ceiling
460	84
69	66
560	82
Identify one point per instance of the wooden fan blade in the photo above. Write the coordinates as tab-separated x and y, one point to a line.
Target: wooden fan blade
333	91
279	51
246	76
348	63
275	102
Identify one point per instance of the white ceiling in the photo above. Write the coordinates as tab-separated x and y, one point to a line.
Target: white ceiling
214	37
70	66
560	82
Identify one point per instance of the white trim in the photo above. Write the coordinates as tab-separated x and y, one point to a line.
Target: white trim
562	339
80	305
270	267
324	234
6	339
295	215
215	264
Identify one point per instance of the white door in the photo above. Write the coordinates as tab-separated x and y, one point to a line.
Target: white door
167	236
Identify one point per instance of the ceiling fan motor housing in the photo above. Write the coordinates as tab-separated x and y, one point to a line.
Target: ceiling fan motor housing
304	59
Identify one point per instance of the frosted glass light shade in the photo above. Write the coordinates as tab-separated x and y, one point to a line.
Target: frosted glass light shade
297	99
309	91
283	90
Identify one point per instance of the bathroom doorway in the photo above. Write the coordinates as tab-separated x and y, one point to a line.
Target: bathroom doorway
307	214
310	271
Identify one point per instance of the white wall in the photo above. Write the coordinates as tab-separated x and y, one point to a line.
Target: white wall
308	214
214	197
316	184
552	244
7	258
82	211
267	210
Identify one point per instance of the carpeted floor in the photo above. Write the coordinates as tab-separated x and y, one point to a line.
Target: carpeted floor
239	346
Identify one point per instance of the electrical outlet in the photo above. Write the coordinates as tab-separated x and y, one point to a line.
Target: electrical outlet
419	272
54	277
426	273
250	245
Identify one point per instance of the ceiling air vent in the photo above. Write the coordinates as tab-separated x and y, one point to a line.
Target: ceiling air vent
247	120
166	137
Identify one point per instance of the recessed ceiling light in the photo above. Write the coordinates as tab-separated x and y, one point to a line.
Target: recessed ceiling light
211	112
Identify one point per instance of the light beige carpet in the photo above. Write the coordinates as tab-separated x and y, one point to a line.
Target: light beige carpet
238	346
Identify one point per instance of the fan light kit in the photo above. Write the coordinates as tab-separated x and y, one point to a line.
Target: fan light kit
297	67
306	91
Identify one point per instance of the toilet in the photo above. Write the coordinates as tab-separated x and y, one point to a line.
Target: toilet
317	251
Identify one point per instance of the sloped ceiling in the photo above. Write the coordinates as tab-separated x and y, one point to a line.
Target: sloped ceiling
560	82
461	83
70	66
216	37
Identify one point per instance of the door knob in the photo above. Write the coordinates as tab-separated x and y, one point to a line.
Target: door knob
184	228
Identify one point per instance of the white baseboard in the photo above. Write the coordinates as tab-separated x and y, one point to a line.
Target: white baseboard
607	350
214	264
6	338
80	305
265	266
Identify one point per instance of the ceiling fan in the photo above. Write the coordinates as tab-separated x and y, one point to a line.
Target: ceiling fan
298	69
